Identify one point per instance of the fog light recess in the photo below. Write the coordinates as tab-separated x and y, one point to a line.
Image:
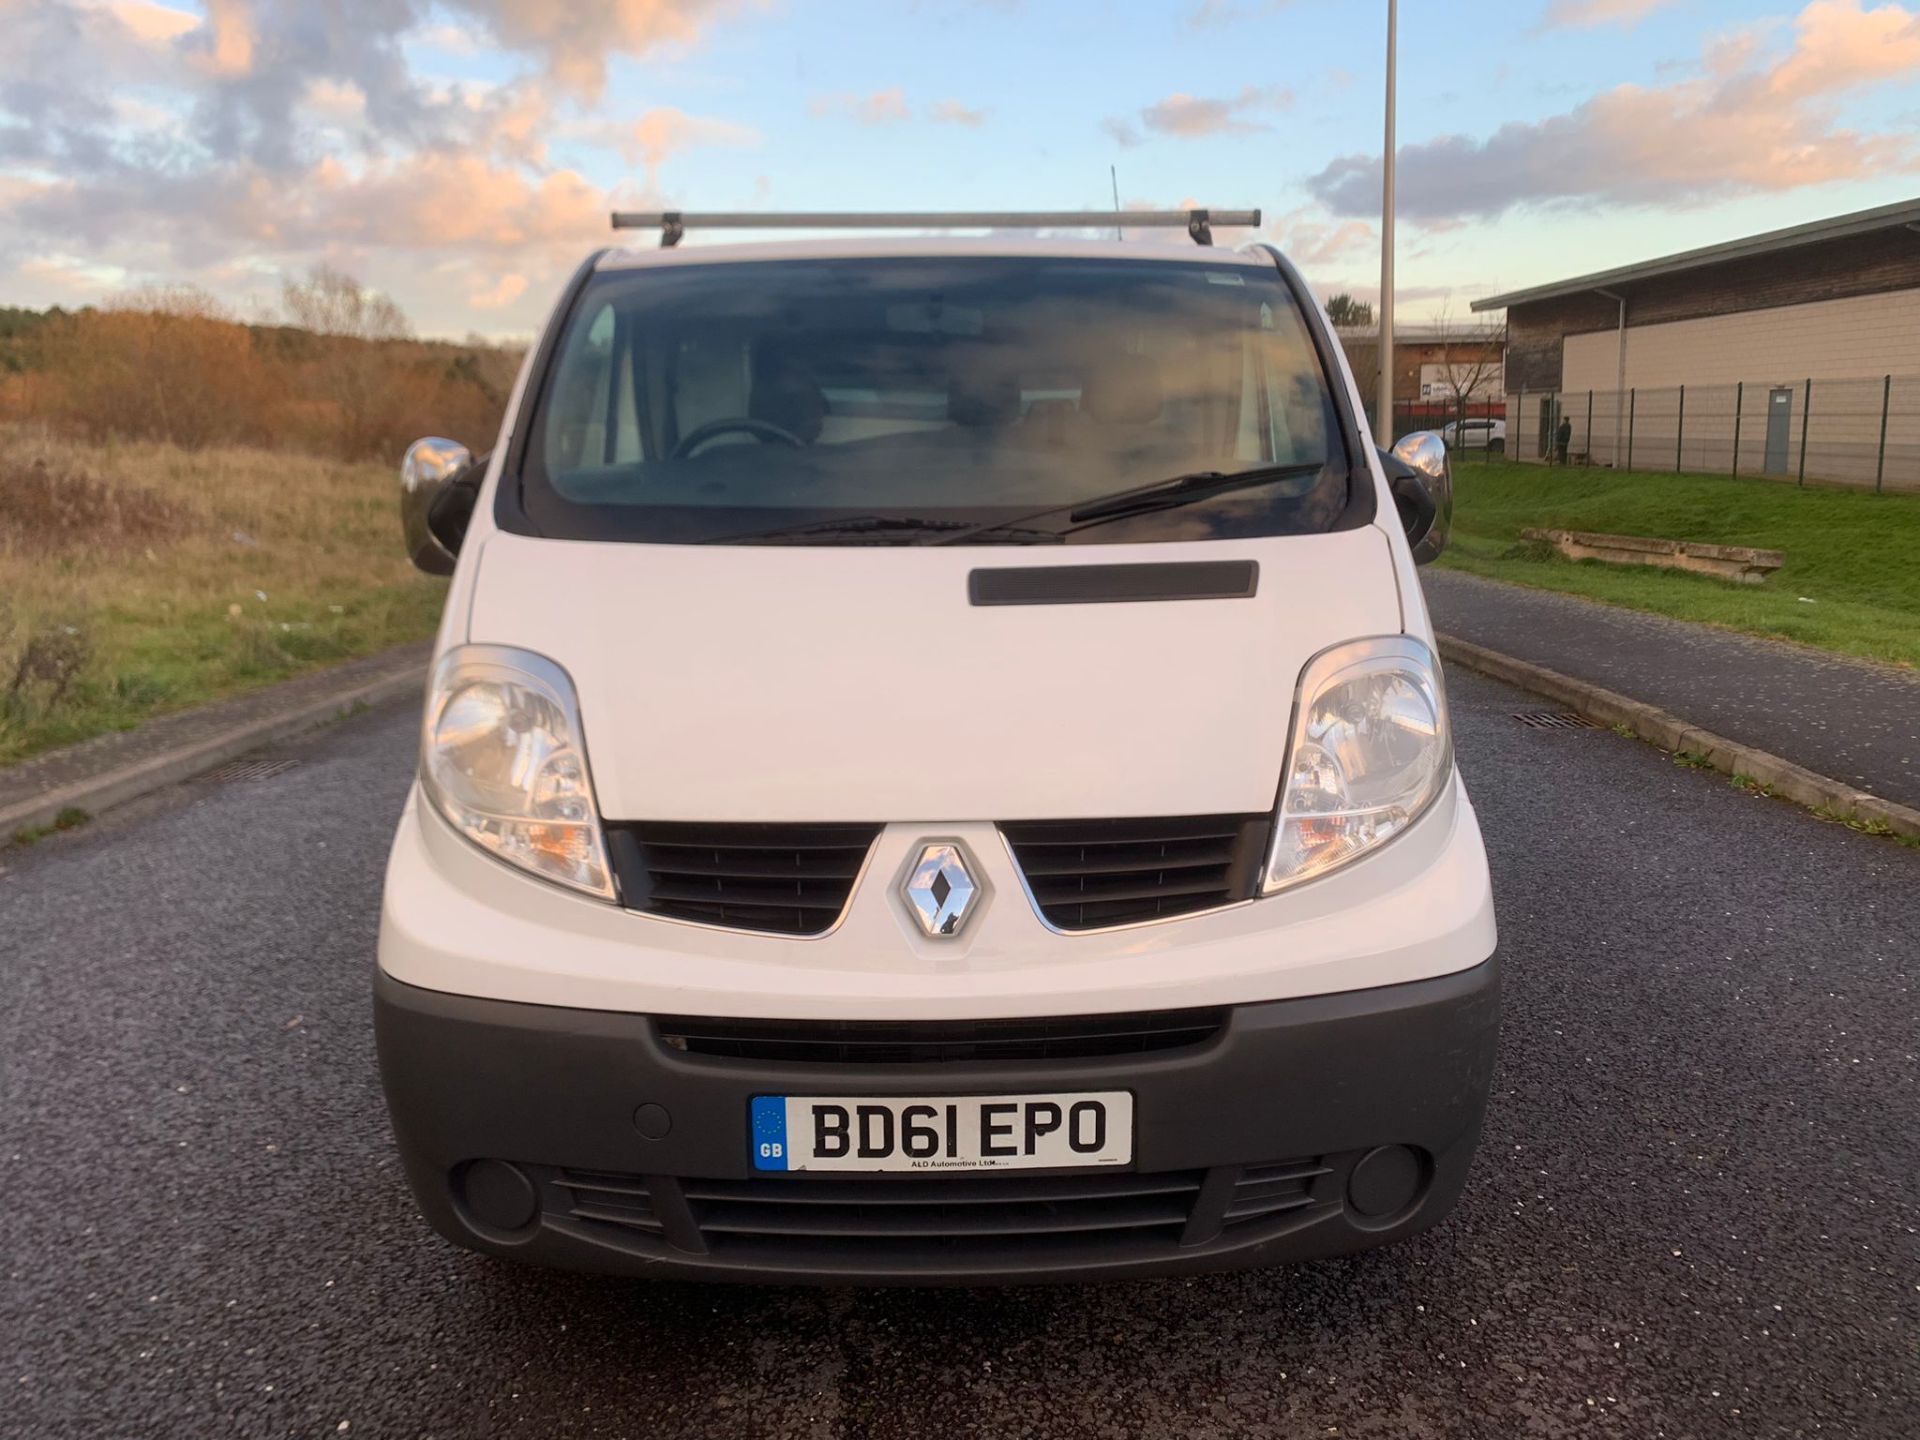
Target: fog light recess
1386	1182
498	1196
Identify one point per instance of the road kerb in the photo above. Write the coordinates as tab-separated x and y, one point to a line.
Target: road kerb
96	793
1671	732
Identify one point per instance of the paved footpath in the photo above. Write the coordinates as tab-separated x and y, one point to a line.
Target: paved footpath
1848	719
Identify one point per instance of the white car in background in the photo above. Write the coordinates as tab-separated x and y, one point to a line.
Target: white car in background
935	769
1475	433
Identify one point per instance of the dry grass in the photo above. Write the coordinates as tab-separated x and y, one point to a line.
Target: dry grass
140	577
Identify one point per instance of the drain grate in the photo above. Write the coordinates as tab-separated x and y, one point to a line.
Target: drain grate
1554	720
237	770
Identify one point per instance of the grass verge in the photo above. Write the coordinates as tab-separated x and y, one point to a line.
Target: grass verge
142	578
1851	581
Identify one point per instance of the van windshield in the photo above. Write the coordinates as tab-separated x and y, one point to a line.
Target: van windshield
903	400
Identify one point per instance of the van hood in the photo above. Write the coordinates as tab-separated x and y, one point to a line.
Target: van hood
807	683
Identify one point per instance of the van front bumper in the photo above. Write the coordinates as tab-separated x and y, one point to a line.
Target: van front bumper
1298	1129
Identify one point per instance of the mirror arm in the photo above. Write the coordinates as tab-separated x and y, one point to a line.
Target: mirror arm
452	509
1411	498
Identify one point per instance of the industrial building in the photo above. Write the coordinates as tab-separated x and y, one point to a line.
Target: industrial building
1792	353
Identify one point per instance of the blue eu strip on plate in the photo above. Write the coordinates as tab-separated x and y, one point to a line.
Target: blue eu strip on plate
769	1132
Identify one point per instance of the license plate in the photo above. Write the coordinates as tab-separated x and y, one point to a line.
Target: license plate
942	1132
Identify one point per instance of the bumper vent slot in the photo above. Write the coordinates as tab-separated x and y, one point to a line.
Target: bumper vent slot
779	879
999	1213
888	1042
623	1200
1263	1191
1090	874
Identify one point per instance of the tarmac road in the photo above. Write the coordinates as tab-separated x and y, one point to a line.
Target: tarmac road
1694	1213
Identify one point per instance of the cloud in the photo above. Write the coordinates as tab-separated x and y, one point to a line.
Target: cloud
340	101
1192	117
231	148
501	293
1841	46
1747	123
663	131
882	107
75	277
1222	12
890	107
154	24
1590	14
230	37
449	39
952	112
575	37
1312	238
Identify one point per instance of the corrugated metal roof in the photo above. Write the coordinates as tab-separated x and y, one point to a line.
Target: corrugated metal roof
1860	222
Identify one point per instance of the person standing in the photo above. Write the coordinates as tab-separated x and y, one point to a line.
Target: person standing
1562	438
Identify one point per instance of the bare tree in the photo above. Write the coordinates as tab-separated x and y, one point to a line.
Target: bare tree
1472	355
1472	359
356	370
332	302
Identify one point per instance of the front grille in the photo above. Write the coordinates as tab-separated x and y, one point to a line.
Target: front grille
1087	874
782	879
934	1222
891	1042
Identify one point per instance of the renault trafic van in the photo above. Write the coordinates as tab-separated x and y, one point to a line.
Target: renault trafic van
934	770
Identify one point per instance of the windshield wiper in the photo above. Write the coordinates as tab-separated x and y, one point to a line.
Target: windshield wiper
883	530
1164	494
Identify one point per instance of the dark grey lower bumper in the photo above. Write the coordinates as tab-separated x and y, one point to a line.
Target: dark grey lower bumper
576	1138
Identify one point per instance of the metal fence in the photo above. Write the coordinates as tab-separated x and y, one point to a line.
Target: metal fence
1411	415
1850	432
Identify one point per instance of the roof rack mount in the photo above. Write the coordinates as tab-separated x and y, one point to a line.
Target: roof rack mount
674	224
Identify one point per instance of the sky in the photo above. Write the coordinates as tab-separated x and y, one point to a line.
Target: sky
462	155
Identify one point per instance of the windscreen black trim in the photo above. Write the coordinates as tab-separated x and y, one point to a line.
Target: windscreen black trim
1114	584
510	501
1362	501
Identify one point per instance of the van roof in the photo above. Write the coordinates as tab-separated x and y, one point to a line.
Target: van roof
863	247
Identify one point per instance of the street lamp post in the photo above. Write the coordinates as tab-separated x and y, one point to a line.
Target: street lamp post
1384	430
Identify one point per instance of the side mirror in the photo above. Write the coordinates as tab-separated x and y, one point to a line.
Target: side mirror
431	466
1421	479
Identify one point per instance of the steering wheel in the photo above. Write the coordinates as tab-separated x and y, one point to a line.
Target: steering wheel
761	430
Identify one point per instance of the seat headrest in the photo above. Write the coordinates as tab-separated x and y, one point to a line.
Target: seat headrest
1124	390
786	395
983	395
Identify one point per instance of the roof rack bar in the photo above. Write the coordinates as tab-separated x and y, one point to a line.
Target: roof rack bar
674	224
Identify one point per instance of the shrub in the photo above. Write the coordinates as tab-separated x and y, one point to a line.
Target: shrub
347	380
46	506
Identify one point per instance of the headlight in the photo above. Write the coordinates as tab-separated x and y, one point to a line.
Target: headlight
1370	751
503	758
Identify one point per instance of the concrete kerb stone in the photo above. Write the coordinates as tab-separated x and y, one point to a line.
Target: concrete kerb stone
1671	733
403	673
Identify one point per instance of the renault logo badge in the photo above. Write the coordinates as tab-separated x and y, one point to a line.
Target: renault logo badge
940	889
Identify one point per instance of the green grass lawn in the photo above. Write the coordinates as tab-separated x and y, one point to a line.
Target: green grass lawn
1851	581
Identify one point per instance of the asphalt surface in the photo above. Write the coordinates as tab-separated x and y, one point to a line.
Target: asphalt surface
1694	1213
1845	718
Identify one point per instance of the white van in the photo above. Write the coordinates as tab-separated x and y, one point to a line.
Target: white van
935	770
